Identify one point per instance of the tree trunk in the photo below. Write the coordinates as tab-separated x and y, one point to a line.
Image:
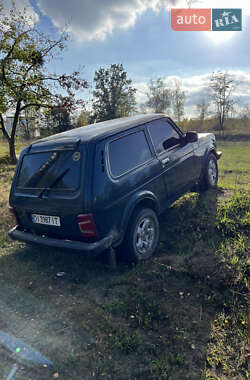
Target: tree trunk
221	123
13	159
222	118
11	141
12	151
5	133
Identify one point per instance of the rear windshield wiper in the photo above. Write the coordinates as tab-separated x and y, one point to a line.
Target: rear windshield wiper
54	182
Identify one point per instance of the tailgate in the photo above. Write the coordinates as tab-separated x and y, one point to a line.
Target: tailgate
47	193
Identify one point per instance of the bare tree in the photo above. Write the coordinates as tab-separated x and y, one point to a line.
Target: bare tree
202	110
141	108
244	114
159	96
222	86
178	100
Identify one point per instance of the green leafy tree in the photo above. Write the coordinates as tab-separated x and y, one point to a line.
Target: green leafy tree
113	95
159	96
82	119
58	120
24	80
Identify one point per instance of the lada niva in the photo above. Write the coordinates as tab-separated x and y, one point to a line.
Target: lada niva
104	185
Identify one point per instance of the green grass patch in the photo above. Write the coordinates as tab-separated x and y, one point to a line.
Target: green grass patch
234	172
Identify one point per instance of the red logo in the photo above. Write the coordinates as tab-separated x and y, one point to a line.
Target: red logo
191	19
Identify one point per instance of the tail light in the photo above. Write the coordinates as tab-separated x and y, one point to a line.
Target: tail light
13	213
87	225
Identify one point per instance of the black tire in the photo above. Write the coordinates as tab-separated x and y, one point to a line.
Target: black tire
210	174
142	236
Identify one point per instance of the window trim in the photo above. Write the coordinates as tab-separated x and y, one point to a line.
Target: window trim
175	126
135	167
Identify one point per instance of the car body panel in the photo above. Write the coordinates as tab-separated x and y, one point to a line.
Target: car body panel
117	197
178	171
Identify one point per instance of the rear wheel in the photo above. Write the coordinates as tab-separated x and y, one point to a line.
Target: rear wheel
142	237
210	175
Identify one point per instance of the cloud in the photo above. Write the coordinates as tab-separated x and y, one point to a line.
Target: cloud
244	4
96	19
141	92
21	5
88	20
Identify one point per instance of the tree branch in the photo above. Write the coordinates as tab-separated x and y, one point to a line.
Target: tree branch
56	43
36	105
17	40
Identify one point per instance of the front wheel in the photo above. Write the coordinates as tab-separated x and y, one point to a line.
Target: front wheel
210	175
142	237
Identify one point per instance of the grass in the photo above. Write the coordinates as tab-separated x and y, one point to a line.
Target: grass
4	147
234	165
181	315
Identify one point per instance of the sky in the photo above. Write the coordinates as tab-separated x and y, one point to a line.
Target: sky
138	34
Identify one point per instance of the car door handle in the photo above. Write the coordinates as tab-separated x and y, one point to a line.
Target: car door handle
165	161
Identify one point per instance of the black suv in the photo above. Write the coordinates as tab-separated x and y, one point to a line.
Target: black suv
104	185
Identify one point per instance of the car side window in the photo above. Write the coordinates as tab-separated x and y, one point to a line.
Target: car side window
161	131
128	152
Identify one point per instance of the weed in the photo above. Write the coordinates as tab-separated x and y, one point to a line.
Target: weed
236	257
114	307
175	359
126	342
144	310
159	369
233	215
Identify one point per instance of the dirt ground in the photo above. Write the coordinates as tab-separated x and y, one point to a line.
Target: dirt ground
151	321
59	317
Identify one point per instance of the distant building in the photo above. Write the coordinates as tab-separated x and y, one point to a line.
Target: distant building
27	127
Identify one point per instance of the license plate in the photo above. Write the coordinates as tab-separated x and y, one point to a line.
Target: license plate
46	219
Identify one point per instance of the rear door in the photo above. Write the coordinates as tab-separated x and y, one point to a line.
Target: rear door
177	159
47	193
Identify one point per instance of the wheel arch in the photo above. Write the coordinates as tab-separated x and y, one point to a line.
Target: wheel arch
209	150
146	199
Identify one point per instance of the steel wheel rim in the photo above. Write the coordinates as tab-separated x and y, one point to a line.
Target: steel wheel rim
145	236
212	172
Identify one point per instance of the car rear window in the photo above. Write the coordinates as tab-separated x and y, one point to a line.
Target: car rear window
58	170
128	152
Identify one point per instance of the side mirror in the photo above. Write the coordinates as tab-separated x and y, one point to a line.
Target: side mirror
191	137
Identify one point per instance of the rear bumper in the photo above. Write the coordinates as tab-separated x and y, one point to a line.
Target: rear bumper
88	249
